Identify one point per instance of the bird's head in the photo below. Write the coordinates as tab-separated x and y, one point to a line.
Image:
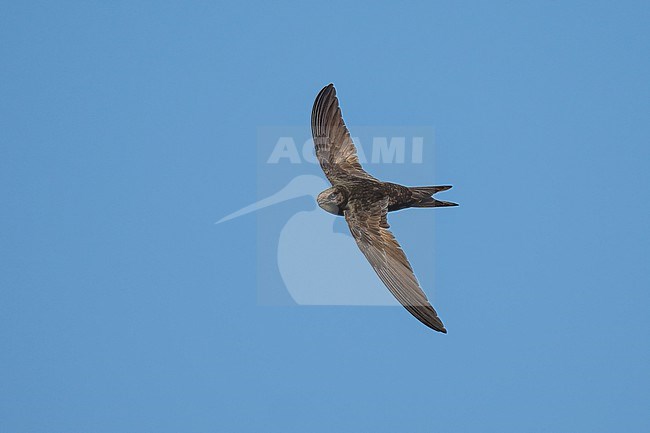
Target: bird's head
332	200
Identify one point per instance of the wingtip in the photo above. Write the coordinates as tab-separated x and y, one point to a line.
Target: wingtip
324	93
437	327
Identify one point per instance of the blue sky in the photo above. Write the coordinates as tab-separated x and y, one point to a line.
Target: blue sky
128	128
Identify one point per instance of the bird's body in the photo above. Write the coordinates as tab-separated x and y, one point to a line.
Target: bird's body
364	201
399	196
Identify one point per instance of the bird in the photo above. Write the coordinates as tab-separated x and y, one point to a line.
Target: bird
365	201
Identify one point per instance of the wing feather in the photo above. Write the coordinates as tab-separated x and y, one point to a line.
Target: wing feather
334	147
369	227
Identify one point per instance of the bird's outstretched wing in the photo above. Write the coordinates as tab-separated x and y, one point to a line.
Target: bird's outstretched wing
334	147
368	225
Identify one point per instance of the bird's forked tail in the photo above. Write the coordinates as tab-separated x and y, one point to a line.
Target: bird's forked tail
423	196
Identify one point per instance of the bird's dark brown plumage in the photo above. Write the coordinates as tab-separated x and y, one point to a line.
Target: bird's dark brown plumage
365	202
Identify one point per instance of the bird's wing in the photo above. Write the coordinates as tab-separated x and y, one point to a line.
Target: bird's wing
369	227
334	147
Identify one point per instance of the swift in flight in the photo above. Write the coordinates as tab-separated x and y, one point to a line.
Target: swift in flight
365	201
